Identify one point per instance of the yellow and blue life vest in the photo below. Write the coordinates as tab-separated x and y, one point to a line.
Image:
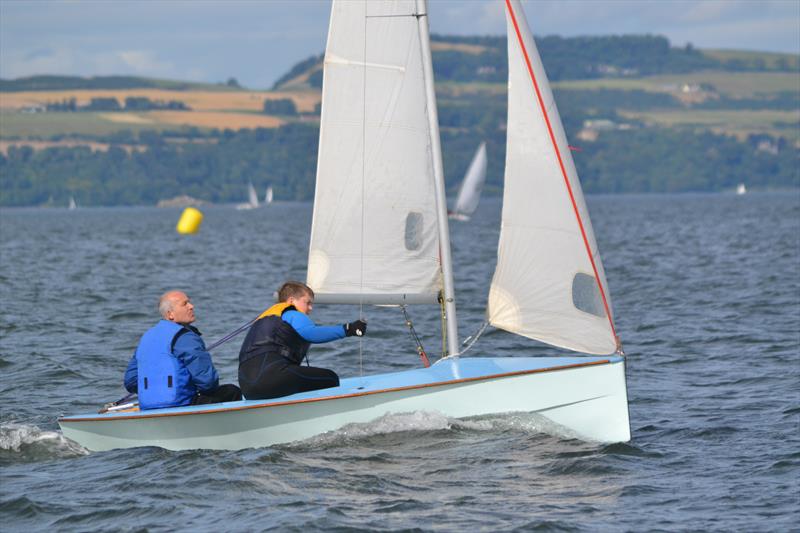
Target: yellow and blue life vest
272	338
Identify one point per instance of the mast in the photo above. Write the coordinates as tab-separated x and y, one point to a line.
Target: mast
438	175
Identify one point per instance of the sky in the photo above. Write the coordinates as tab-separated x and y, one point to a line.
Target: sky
256	41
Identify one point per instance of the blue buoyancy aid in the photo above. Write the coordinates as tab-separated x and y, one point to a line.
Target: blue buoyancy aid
163	379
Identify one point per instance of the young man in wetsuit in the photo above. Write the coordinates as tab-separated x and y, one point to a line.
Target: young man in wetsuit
171	366
272	353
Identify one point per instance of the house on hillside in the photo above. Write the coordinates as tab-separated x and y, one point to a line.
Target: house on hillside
592	128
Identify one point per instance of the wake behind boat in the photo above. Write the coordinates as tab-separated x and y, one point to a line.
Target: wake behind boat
386	242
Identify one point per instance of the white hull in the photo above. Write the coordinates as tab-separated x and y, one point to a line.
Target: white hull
585	395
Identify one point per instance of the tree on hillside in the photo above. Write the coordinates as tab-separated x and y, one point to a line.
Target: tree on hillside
280	106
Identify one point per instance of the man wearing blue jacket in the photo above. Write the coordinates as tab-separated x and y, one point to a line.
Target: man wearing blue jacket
171	366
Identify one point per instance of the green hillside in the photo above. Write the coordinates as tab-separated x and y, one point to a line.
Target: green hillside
483	59
643	116
755	61
60	83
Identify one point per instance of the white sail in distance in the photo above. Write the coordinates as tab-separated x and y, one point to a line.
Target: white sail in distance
252	197
549	283
469	194
374	228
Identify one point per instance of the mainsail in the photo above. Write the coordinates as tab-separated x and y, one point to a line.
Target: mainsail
549	283
374	230
469	194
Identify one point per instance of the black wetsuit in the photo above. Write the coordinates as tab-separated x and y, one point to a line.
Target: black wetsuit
271	356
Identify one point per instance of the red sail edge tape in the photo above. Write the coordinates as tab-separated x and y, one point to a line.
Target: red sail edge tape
561	165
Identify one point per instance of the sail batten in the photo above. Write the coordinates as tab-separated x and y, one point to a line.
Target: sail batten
549	283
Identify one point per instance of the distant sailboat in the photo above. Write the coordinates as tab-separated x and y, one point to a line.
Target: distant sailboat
469	194
741	189
72	204
268	196
252	199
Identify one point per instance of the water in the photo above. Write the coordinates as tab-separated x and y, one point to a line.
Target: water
706	290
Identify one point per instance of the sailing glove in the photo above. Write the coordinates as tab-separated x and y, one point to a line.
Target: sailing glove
357	328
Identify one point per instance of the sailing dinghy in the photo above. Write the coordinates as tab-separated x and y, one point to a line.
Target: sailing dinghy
469	194
386	242
252	199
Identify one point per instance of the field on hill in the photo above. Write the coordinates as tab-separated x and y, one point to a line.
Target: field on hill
244	109
647	118
22	115
740	124
753	59
733	84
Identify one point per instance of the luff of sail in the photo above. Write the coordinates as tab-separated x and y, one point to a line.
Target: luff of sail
374	228
549	283
470	192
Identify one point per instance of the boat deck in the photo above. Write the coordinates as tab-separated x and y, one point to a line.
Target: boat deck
444	372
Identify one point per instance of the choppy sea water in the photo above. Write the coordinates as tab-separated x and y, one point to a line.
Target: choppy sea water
706	292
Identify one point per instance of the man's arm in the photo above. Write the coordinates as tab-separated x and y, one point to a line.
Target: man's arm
306	328
191	349
131	379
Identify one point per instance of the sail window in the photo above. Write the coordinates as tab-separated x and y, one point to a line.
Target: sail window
586	295
414	231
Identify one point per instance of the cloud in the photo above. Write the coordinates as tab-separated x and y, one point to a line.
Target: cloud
142	62
707	23
257	41
40	61
771	25
467	18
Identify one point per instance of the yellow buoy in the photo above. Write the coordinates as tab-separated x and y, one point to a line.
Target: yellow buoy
190	221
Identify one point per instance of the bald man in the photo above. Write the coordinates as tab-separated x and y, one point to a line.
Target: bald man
171	366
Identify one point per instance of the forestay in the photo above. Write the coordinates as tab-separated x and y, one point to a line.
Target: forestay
374	230
549	283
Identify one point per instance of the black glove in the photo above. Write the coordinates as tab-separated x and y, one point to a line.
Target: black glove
357	328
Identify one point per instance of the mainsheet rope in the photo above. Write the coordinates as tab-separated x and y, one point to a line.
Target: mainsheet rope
232	334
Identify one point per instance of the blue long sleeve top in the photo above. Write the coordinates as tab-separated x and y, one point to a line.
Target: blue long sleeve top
311	332
190	350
